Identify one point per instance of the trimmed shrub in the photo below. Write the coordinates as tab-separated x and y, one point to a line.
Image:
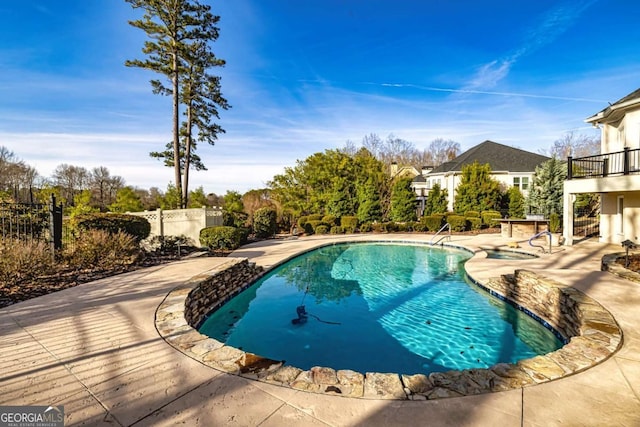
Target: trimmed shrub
302	221
349	223
312	223
420	226
475	223
315	217
489	218
136	226
22	261
336	229
322	229
457	222
366	227
331	220
391	227
432	222
221	238
472	214
264	222
102	250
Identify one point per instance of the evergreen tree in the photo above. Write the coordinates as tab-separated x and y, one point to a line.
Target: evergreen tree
477	191
127	200
516	203
403	201
547	188
369	208
340	203
436	200
180	33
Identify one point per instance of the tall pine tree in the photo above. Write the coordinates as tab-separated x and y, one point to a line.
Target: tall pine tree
180	33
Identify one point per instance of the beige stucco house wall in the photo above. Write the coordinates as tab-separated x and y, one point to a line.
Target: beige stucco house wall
620	194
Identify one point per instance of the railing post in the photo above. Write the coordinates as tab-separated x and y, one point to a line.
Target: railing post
605	167
55	224
626	161
569	168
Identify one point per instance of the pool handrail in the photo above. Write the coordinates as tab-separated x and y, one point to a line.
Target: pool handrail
446	225
535	236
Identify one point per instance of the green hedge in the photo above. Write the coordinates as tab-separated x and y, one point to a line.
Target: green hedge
135	226
336	229
432	222
315	217
472	214
349	223
457	222
331	220
475	223
222	238
322	229
489	218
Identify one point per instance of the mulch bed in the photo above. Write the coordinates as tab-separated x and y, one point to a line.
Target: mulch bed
634	262
11	293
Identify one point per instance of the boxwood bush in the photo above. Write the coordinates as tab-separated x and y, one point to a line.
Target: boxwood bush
457	222
475	223
336	229
322	228
330	220
433	222
349	223
489	218
221	238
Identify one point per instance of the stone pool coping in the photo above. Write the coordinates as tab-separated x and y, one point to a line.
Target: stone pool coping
594	337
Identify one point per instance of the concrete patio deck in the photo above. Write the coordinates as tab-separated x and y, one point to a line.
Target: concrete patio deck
94	349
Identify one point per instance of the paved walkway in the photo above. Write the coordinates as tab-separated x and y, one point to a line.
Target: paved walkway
95	350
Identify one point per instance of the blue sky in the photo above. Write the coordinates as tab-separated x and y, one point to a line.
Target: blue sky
305	76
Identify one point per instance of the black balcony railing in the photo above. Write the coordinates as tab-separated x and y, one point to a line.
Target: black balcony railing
624	162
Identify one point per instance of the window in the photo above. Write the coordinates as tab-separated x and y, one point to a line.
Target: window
521	183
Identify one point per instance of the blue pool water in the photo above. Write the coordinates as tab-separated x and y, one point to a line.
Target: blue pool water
377	308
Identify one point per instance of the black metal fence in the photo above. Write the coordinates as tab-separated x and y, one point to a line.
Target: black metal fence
618	163
32	222
586	223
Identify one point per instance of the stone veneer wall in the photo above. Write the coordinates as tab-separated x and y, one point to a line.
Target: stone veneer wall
213	289
591	331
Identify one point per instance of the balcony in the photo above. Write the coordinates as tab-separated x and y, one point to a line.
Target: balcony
626	162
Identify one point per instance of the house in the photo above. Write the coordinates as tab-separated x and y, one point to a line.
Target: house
510	166
614	173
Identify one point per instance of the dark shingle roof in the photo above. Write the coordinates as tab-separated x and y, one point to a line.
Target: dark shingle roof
500	158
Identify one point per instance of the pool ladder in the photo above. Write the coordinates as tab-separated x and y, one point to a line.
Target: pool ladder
535	236
448	236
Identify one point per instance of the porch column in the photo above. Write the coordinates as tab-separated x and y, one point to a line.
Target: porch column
567	222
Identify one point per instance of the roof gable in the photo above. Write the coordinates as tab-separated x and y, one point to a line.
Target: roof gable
616	111
500	158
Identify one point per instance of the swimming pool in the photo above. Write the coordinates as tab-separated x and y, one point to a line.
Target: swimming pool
377	308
